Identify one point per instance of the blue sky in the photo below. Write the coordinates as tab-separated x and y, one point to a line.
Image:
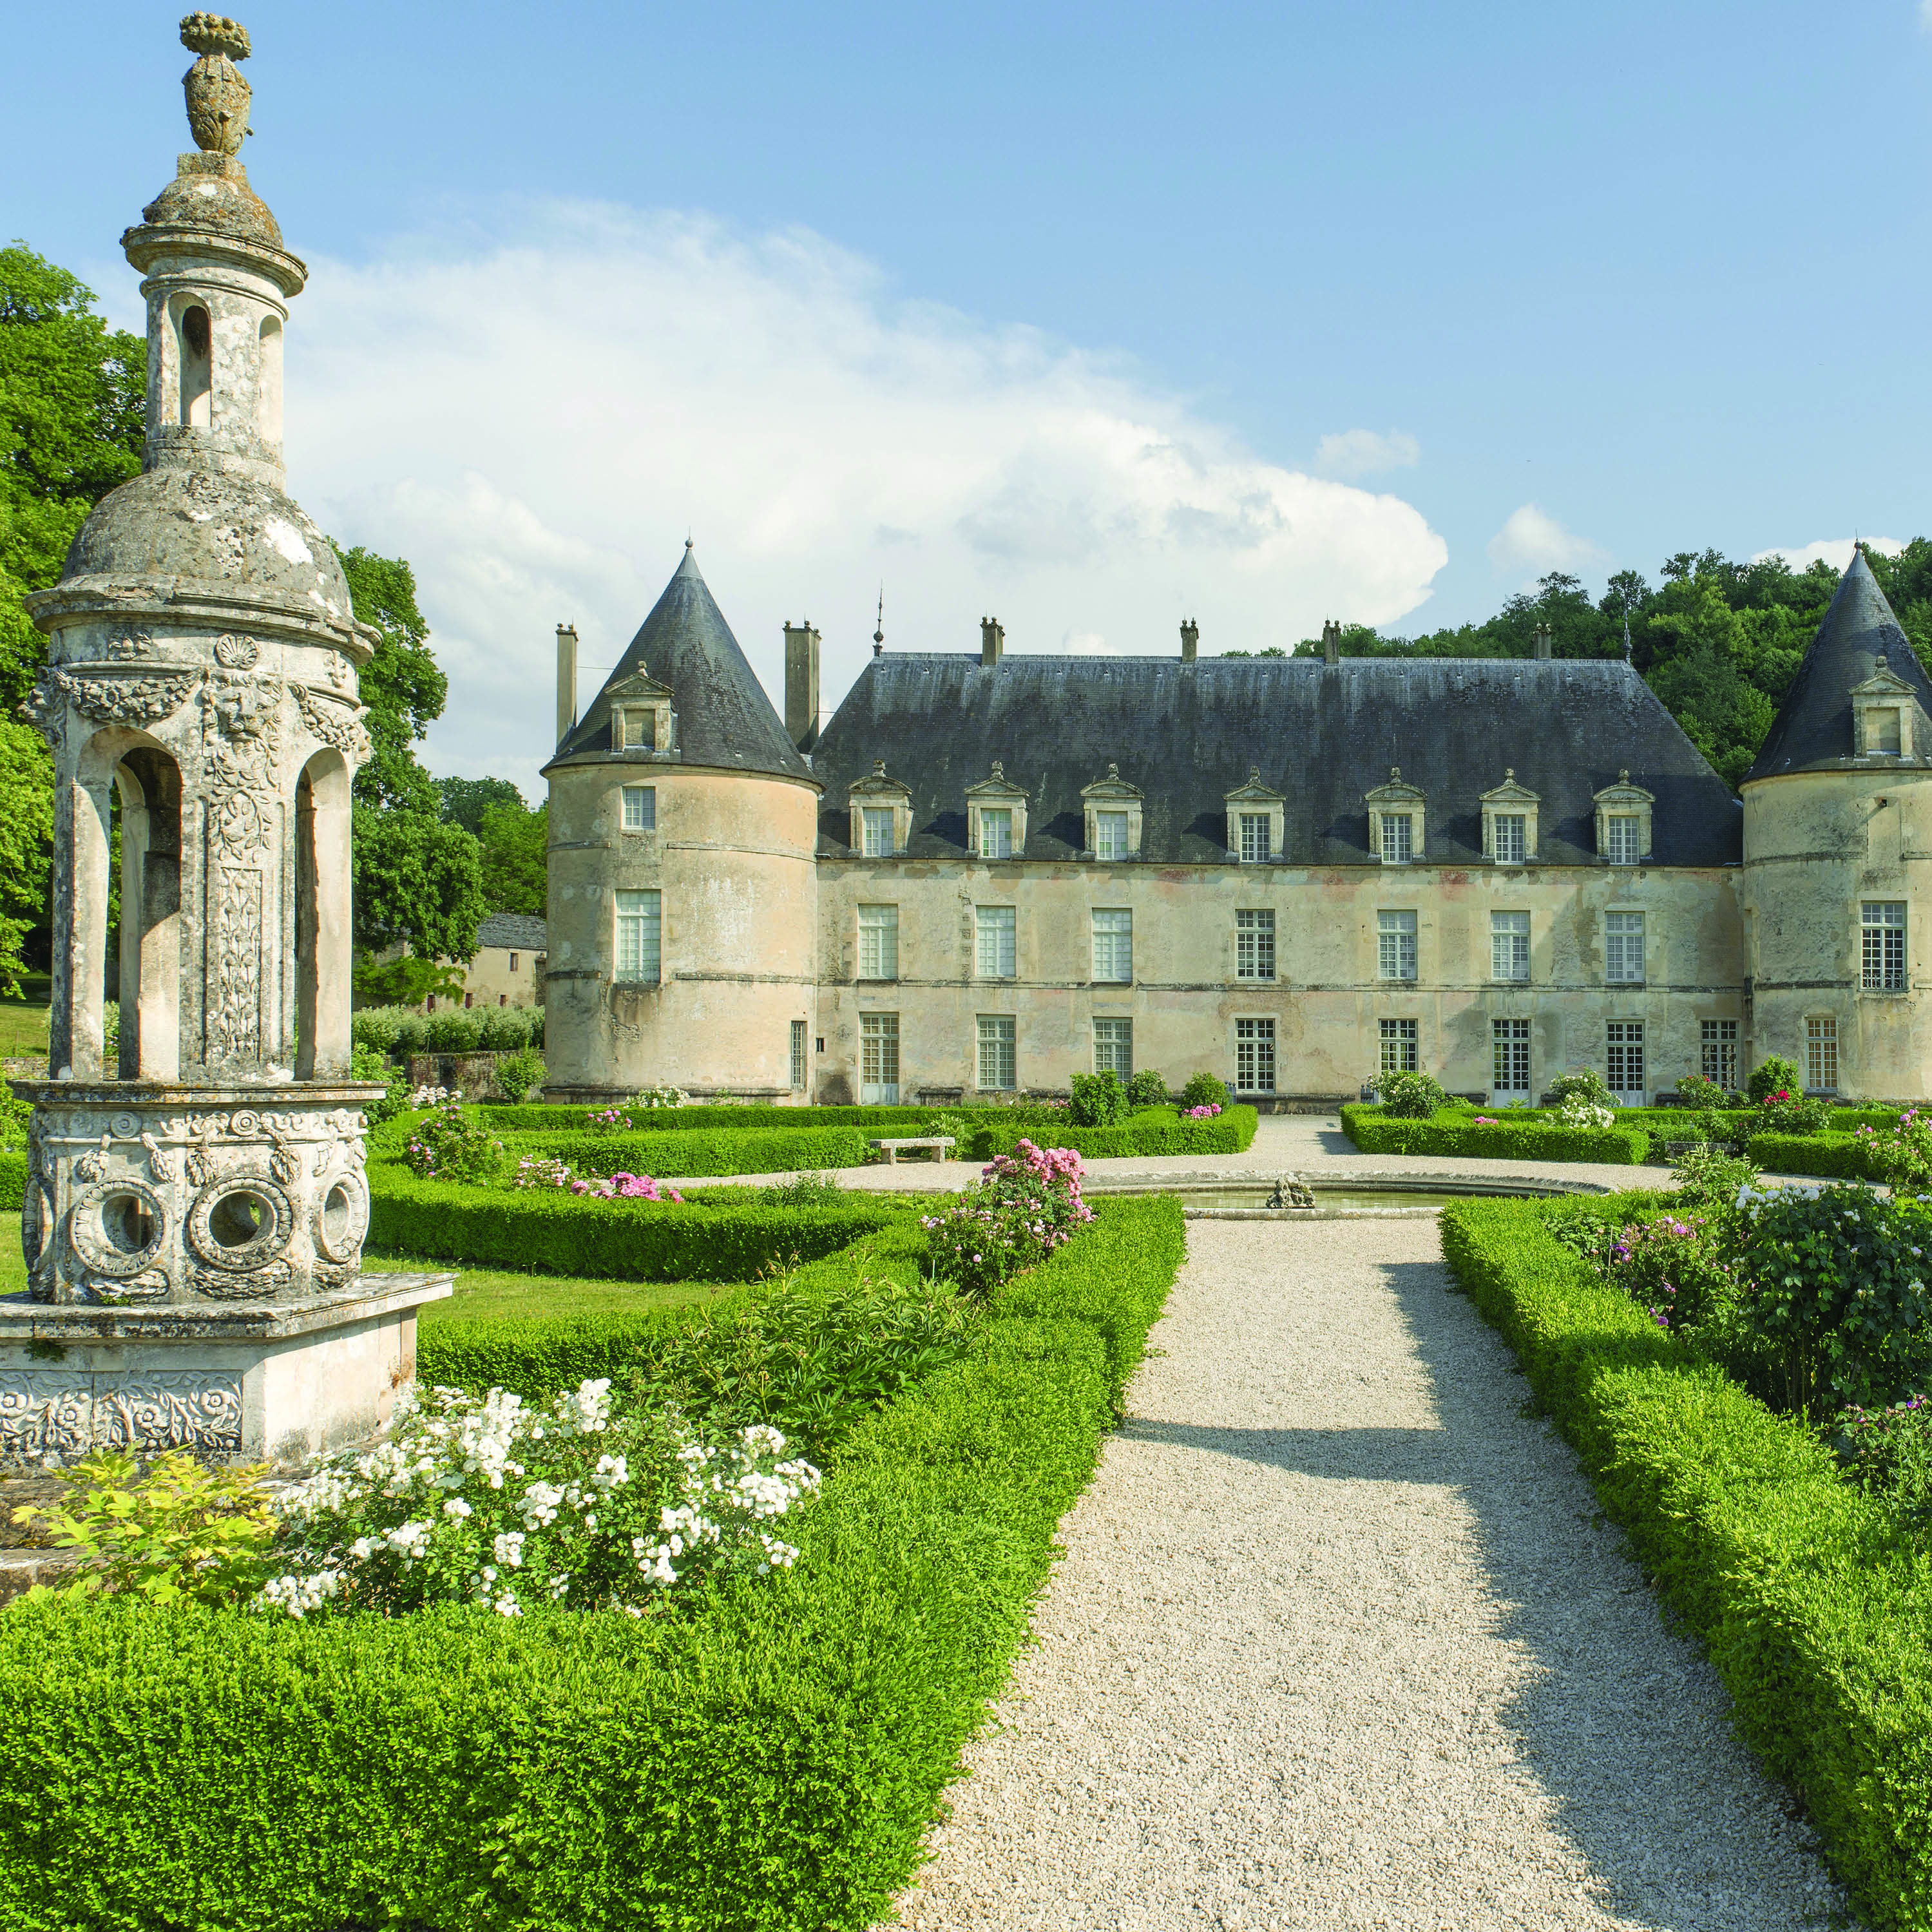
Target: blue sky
1556	284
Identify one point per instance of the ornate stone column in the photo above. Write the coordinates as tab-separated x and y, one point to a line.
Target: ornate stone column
194	1214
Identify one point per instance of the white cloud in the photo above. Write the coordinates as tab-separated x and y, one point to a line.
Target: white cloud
535	418
1365	452
1837	551
1538	544
1084	644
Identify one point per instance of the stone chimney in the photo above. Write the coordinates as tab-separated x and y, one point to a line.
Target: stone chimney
1190	640
566	679
992	639
801	684
1541	638
1331	642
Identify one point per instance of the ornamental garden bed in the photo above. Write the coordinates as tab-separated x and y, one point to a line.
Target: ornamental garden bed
1513	1135
1751	1421
766	1744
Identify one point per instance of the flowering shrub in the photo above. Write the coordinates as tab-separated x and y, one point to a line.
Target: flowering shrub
1148	1088
662	1097
1889	1453
624	1187
1678	1266
537	1171
451	1146
1782	1110
1584	1084
613	1117
1697	1093
1203	1089
1901	1154
1411	1097
1770	1075
584	1502
1099	1100
1707	1176
1025	1205
1206	1113
1577	1111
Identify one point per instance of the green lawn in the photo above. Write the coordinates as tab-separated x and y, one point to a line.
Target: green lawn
23	1029
487	1294
13	1265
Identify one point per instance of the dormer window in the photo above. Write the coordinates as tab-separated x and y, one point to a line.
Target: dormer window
1395	821
1113	817
638	731
1623	822
641	718
1509	823
1256	821
1883	708
996	816
881	810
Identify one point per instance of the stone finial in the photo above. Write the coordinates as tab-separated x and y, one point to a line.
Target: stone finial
1623	778
1509	774
1113	771
878	768
217	96
1395	774
999	770
1254	775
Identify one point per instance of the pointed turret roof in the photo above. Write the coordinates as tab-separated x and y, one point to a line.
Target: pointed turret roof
724	717
1813	730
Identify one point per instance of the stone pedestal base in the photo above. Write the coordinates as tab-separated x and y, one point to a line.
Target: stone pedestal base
271	1382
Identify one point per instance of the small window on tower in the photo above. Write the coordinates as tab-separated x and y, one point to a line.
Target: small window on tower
197	371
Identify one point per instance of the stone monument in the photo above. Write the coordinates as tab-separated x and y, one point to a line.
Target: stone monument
194	1214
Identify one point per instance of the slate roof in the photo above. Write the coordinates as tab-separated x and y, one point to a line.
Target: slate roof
1324	735
1813	730
513	931
724	717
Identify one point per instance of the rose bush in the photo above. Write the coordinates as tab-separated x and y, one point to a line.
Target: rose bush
451	1146
1026	1204
1901	1155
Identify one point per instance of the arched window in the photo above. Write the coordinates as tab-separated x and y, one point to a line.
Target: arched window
269	393
197	368
322	925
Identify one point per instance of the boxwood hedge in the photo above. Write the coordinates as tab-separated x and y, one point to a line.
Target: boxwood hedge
771	1757
734	1150
576	1119
1454	1131
13	1179
1833	1157
1815	1614
1157	1130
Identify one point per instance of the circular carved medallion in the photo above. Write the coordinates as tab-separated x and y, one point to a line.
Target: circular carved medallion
239	1221
245	1124
340	1218
238	653
126	1127
117	1227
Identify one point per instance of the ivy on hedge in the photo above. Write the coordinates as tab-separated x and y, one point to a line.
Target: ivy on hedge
1456	1132
771	1757
1815	1614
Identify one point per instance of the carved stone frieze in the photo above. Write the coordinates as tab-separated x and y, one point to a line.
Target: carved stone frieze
111	701
237	651
164	1164
234	945
334	719
67	1413
119	1290
262	1284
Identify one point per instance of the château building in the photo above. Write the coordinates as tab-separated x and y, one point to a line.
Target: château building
987	872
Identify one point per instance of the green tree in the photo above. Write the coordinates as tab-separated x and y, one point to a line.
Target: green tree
26	827
417	879
464	799
515	842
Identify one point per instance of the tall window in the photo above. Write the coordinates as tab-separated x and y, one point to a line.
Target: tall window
1509	945
1396	937
1623	831
798	1053
878	942
1113	943
994	936
1254	942
1884	948
877	821
1625	1043
1719	1059
1623	948
878	1060
1255	839
1399	1046
1114	1048
1512	840
996	832
1509	1042
1254	1056
997	1068
1821	1055
640	808
1110	834
1398	838
639	924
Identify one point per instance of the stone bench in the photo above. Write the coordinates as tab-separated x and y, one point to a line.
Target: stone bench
939	1144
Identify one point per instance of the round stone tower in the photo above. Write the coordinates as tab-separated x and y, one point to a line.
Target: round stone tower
683	886
1837	843
206	1193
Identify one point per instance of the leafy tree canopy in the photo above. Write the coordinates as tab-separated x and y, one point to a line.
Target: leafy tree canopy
464	800
515	842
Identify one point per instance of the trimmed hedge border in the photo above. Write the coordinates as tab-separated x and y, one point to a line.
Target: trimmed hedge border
1449	1132
1817	1616
1833	1157
13	1179
735	1151
574	1119
772	1758
1158	1130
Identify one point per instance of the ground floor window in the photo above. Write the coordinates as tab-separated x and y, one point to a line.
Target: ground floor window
878	1060
998	1061
1720	1053
798	1053
1254	1056
1626	1062
1399	1046
1114	1048
1821	1055
1509	1041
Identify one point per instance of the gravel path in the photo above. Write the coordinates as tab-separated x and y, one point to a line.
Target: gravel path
1338	1642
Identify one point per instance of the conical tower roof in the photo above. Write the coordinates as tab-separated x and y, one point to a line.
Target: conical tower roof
1813	728
724	717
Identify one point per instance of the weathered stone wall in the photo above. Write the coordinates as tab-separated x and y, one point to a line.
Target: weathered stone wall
732	857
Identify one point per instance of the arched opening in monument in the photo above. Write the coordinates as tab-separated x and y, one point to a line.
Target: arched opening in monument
147	782
322	918
270	392
197	368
